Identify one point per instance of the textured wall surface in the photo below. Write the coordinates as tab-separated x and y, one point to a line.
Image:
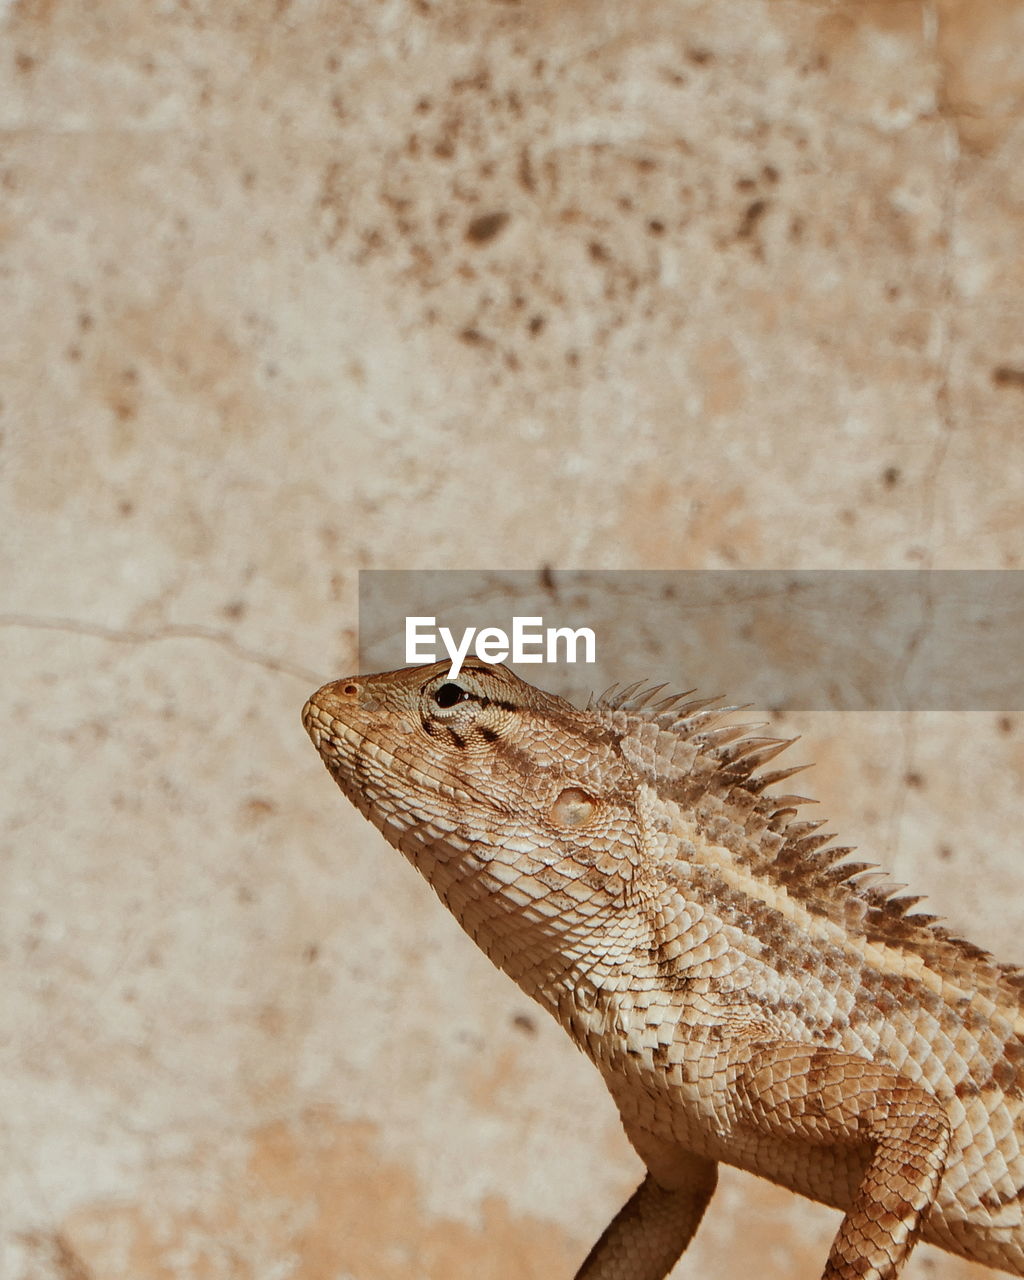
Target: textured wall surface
291	289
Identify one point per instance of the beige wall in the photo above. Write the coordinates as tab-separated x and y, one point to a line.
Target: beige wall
292	289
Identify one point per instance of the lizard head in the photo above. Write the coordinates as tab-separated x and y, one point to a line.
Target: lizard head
516	806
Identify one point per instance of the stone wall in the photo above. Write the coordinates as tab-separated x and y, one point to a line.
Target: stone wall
292	289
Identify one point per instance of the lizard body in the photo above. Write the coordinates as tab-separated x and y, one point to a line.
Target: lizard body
747	994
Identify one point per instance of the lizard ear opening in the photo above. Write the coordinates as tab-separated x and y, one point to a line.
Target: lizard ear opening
572	808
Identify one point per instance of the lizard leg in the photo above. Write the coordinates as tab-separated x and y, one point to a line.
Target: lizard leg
895	1133
654	1226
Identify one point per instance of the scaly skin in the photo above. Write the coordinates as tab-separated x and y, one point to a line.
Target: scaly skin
746	994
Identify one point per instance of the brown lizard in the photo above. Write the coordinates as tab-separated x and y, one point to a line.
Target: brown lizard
747	993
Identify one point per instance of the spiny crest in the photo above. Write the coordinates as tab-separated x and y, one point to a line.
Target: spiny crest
734	749
724	761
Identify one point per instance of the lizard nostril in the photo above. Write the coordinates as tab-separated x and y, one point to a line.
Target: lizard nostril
350	689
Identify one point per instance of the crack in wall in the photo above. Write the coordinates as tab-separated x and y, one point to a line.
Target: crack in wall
52	1249
171	631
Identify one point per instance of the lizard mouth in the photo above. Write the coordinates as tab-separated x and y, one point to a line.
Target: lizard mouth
338	741
316	723
363	750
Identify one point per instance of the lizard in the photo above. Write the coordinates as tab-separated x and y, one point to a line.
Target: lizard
748	993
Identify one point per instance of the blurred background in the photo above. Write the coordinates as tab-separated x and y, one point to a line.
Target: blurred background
293	289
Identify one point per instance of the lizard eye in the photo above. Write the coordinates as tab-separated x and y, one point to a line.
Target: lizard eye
449	694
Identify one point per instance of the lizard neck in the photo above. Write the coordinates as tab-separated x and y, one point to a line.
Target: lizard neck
561	936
